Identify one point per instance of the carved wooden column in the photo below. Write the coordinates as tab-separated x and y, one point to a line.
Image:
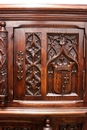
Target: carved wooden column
3	63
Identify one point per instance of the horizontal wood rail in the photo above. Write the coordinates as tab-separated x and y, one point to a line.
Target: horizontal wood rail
26	112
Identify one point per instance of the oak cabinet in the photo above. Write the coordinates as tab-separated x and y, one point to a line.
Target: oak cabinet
43	62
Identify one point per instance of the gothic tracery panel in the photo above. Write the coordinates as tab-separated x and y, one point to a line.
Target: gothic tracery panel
33	64
62	57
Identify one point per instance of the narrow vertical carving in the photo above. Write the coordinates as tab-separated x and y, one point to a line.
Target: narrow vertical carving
33	64
20	65
3	63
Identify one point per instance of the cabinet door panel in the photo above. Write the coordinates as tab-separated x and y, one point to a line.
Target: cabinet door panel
29	64
65	63
49	63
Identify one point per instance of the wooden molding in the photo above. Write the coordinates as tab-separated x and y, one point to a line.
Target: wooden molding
27	112
41	12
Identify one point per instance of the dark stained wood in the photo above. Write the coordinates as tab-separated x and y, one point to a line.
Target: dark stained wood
44	12
46	65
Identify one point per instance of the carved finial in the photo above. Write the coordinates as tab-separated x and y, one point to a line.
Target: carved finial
2	26
47	125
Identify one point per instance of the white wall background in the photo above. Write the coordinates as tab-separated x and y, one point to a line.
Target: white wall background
43	1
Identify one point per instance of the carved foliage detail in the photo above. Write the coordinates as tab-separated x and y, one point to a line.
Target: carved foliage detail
3	60
20	65
33	63
62	60
72	126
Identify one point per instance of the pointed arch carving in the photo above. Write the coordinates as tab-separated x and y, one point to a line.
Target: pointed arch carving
62	59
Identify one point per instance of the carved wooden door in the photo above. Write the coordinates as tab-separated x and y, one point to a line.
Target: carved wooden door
49	63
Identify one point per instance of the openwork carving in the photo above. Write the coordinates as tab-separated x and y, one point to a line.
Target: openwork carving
62	61
72	126
33	63
56	42
3	62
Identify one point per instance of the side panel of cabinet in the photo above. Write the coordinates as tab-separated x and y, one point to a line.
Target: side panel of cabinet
30	61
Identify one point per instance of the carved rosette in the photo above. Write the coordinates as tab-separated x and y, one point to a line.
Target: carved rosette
3	63
62	61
